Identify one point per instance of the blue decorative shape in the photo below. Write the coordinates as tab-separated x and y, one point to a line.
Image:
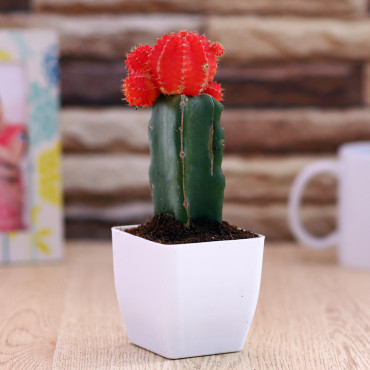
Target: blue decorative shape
50	65
43	115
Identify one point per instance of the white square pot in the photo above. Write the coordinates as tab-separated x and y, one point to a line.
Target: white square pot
187	300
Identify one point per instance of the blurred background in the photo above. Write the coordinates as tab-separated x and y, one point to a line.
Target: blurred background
296	78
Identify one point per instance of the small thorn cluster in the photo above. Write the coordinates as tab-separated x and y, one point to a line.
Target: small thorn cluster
179	63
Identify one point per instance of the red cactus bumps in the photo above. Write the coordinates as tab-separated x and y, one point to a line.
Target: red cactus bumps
184	63
137	60
180	63
139	90
215	90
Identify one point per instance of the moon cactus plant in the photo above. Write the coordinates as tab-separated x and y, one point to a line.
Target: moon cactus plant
186	140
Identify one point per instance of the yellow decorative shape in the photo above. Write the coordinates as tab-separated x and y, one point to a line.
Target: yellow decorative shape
40	243
12	235
48	170
5	56
35	214
42	233
39	235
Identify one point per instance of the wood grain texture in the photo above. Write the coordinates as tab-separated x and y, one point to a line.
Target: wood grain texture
32	301
291	85
294	131
105	130
15	5
90	313
89	221
313	7
319	84
124	177
92	82
290	38
308	130
104	37
109	37
366	84
311	314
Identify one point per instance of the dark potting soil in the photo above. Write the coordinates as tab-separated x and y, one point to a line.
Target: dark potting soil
165	229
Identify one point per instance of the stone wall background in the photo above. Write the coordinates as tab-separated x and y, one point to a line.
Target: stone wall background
296	75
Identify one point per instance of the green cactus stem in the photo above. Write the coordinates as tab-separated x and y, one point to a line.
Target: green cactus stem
186	147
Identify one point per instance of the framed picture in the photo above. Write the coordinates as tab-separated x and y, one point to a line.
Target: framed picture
31	225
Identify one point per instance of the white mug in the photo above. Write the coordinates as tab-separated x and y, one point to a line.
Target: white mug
352	170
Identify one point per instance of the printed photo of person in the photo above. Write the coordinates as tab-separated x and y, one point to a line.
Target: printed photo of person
13	151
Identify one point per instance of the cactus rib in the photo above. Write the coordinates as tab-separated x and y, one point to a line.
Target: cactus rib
182	157
186	144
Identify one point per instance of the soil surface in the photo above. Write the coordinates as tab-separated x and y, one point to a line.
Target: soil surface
165	229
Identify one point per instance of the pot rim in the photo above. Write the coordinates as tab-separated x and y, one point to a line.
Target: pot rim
122	229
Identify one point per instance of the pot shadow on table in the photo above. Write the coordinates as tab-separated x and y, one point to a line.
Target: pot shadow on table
135	356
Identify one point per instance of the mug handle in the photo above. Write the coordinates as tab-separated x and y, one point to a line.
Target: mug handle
295	196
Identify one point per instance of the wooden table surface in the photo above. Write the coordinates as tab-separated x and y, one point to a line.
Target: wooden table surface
311	314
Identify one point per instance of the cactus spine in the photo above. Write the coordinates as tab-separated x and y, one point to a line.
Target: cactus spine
186	146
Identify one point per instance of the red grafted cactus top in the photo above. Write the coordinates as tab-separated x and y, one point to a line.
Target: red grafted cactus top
179	63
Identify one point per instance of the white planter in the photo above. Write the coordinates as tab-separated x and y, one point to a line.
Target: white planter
187	300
